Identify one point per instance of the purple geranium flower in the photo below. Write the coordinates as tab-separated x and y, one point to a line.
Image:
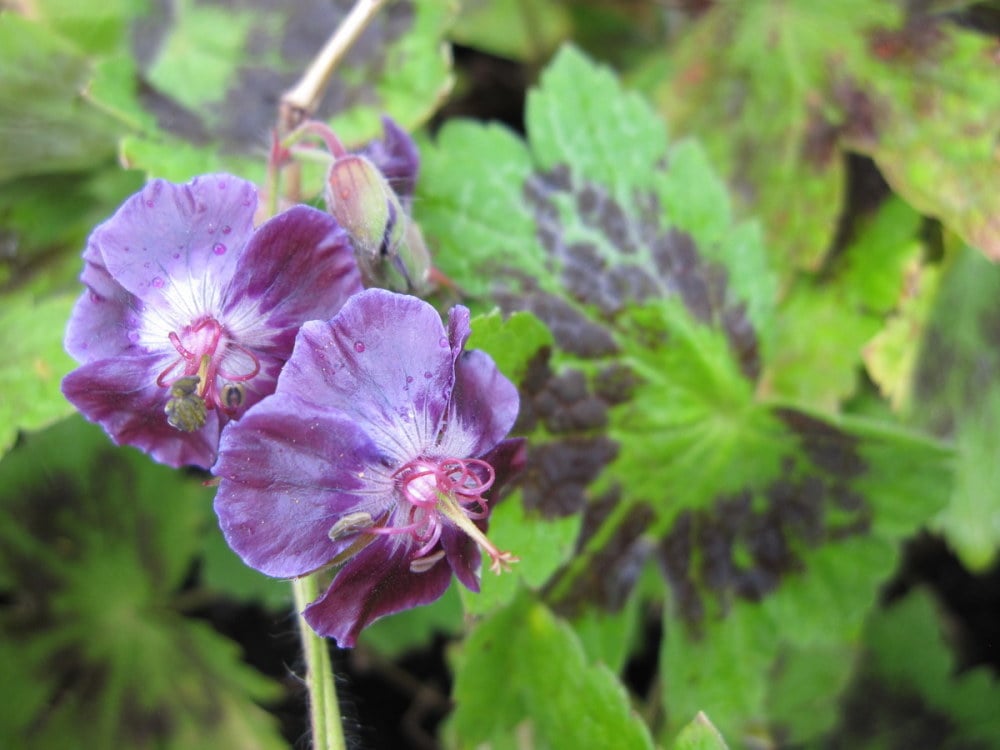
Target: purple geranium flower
190	312
380	449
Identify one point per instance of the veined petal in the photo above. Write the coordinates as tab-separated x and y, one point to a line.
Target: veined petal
483	407
385	362
122	395
298	266
104	322
374	583
178	246
289	473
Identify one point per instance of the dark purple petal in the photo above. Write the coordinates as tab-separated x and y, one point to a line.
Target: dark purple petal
103	322
508	459
376	582
463	555
301	266
385	362
396	157
289	473
170	232
122	396
483	407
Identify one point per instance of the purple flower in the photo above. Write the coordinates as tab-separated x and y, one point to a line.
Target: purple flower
190	312
380	450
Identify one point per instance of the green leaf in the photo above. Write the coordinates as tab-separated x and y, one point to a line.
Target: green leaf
549	691
933	88
517	29
511	343
699	735
649	415
907	689
94	544
44	123
955	395
757	84
31	334
218	74
541	545
827	319
47	219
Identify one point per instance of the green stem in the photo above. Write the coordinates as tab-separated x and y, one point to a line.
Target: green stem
327	728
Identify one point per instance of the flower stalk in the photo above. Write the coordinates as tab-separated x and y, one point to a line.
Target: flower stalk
324	709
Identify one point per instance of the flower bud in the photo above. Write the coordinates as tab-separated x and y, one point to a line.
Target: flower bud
389	247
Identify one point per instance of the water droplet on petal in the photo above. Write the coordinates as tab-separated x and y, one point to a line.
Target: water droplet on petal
157	282
219	249
359	346
443	342
227	229
150	204
409	378
428	374
133	336
222	184
177	256
147	265
211	228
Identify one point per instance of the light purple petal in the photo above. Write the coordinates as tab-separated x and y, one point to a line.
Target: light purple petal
122	396
289	473
374	583
385	362
104	322
168	233
300	265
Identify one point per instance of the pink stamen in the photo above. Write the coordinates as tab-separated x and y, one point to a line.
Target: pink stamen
248	376
205	362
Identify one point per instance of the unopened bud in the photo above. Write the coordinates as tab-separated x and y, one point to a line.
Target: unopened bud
389	247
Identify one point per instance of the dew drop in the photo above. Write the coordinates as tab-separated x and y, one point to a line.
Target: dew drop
147	265
227	229
222	184
177	256
428	374
359	346
409	378
211	228
157	282
133	336
443	342
219	248
95	297
150	204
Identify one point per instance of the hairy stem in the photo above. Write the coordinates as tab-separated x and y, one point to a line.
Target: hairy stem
327	728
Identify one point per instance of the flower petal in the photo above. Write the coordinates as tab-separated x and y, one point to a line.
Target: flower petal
483	407
299	266
289	473
463	555
168	234
374	583
396	157
122	396
385	362
103	323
